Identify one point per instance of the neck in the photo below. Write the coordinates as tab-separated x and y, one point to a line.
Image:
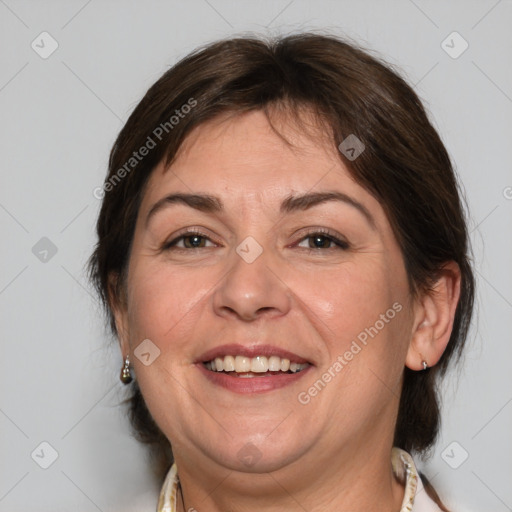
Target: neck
358	478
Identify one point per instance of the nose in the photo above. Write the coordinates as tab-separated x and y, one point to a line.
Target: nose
251	290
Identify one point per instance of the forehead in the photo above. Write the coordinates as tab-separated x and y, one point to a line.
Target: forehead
242	155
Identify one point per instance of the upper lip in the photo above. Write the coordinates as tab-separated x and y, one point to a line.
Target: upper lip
250	351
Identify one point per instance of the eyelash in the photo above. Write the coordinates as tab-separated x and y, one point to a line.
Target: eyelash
341	244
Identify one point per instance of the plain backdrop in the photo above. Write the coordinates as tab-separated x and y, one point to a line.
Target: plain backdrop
60	114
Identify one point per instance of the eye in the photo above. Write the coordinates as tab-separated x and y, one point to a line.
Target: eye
318	240
323	239
190	239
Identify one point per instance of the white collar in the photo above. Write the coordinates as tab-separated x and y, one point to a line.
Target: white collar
402	464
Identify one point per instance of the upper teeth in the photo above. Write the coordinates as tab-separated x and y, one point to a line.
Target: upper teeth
258	364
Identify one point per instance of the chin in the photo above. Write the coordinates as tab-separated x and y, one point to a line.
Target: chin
254	452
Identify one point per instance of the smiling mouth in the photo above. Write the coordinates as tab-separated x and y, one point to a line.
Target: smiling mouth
259	366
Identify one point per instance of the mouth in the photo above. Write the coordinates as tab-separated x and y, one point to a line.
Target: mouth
249	367
252	369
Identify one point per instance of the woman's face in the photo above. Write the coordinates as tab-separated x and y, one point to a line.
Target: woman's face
266	278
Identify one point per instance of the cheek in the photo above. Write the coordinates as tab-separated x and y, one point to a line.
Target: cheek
364	319
362	313
349	299
164	301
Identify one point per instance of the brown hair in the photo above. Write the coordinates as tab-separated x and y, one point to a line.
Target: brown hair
405	166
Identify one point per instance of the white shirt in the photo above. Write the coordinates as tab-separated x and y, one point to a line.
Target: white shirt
415	499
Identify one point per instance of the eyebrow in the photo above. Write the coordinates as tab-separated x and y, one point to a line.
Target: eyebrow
212	204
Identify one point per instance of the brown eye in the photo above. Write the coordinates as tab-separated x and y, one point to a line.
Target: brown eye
194	241
191	240
324	240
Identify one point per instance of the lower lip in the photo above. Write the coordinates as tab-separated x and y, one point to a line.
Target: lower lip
252	384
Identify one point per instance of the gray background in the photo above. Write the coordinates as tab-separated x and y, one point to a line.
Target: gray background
59	117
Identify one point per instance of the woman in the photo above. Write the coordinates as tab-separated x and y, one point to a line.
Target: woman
283	255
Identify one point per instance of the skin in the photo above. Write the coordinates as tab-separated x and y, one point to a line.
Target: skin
334	452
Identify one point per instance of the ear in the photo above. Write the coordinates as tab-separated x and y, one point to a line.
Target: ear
117	301
433	319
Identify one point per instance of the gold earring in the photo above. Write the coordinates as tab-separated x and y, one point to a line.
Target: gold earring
126	376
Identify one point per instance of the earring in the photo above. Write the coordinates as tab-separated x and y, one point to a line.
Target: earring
126	376
425	365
